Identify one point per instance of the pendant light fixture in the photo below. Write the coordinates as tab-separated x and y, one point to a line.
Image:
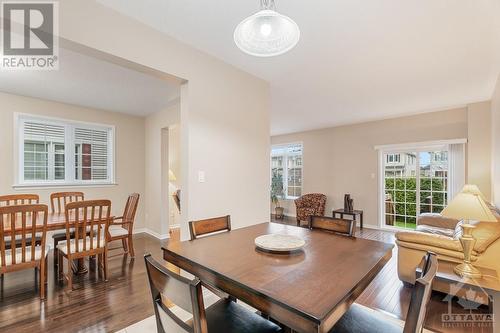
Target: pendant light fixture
267	33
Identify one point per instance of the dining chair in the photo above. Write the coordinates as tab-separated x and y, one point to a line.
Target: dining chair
360	319
58	202
121	228
22	220
88	222
339	226
20	199
223	316
209	226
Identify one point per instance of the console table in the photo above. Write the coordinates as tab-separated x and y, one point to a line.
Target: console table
342	212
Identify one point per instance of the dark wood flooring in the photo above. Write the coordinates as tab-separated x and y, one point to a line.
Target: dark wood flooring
95	306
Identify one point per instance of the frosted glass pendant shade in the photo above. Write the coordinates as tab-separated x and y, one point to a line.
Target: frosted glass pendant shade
266	33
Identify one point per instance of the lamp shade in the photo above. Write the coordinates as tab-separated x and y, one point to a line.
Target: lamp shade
171	176
469	205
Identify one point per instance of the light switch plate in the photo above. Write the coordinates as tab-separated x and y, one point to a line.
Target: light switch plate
201	176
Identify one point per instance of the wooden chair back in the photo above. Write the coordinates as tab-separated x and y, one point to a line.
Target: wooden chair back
89	221
19	199
421	294
209	226
167	286
59	200
21	220
130	210
340	226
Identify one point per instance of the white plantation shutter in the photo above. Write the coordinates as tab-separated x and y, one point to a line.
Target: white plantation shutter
39	145
58	151
98	141
34	131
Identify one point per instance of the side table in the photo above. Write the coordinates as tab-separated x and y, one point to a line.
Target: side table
354	213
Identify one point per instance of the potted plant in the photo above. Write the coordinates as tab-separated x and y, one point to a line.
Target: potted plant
277	193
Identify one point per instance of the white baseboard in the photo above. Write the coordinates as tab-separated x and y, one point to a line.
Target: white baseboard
151	233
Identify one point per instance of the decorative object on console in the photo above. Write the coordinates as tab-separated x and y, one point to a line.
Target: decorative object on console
348	203
469	206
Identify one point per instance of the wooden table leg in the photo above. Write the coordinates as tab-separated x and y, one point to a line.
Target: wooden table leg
361	220
79	267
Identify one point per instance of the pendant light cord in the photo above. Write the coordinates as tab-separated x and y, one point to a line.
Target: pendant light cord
267	5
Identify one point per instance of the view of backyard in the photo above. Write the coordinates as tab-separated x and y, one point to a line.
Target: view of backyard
409	193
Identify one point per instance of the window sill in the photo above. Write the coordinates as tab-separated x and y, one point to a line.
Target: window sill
62	185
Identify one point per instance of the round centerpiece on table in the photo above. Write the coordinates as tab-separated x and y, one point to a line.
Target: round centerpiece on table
280	244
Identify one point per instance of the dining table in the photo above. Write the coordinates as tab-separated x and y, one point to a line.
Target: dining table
57	222
307	290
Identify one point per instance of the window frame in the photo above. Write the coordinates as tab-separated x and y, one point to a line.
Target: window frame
69	152
285	156
417	147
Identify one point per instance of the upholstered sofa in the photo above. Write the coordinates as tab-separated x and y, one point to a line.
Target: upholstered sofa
312	204
441	235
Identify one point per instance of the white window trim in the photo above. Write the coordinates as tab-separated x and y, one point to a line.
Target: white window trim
401	148
285	168
20	118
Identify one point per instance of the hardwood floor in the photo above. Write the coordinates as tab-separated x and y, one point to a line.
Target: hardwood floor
95	306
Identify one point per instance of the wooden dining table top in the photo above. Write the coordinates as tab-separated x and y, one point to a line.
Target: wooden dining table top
313	283
55	221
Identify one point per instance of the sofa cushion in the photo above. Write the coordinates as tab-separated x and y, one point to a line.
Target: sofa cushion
435	230
436	220
429	240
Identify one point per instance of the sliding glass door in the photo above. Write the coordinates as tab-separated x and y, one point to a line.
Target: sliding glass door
414	182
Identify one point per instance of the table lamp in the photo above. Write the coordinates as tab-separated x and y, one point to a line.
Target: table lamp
468	206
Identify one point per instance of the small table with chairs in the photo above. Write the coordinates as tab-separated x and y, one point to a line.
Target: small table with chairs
88	228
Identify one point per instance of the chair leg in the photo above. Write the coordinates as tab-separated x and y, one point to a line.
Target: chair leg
105	264
46	270
42	278
124	244
56	253
131	245
59	266
69	274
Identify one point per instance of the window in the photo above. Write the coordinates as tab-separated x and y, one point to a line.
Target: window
419	185
53	152
286	166
393	158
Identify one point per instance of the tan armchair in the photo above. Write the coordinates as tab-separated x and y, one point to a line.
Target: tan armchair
440	235
312	204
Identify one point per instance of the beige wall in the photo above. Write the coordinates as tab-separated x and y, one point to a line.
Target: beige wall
157	203
129	149
224	112
479	146
343	159
495	107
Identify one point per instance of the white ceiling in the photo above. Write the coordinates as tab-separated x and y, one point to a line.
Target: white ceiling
87	81
356	60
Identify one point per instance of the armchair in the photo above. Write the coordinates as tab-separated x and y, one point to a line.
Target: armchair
312	204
